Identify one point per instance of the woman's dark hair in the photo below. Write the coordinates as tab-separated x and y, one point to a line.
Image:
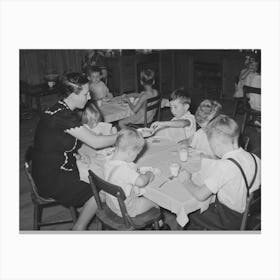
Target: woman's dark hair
73	82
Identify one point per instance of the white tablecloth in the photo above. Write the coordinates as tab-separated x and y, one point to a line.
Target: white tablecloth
172	195
159	153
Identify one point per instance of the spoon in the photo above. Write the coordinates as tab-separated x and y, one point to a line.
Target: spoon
170	178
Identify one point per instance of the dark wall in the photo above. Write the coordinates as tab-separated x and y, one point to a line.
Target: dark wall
175	68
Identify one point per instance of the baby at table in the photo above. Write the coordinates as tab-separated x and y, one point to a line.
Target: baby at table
147	80
182	126
223	178
205	113
122	171
98	89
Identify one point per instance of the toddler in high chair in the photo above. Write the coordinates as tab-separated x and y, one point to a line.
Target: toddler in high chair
136	101
205	113
230	179
182	126
120	170
98	89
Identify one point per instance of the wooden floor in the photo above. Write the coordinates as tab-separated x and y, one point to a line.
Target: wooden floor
27	128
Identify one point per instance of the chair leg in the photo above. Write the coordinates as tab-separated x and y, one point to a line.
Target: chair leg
37	217
74	214
156	225
244	123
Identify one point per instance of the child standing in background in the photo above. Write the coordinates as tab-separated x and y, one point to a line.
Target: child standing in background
97	88
206	111
182	126
122	171
147	80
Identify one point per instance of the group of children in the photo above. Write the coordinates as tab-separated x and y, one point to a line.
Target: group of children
212	135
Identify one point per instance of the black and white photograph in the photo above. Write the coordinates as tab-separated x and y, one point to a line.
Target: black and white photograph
140	139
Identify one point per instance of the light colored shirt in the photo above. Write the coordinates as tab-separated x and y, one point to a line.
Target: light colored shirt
201	144
123	174
100	90
223	177
179	134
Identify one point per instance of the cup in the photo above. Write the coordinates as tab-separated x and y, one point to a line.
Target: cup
183	154
174	169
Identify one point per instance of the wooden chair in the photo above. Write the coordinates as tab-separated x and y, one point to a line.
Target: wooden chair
41	203
252	216
153	103
111	220
244	142
250	114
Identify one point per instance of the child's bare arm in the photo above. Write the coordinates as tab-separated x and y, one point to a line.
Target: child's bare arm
144	179
201	193
244	74
174	123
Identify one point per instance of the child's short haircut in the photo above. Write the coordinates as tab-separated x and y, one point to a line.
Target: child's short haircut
225	126
207	111
147	77
182	95
93	69
90	112
129	138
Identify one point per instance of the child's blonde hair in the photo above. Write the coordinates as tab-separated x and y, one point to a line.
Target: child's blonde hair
129	138
207	111
90	113
225	126
147	77
182	95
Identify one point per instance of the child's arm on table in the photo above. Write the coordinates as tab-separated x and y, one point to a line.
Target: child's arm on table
174	123
144	179
201	193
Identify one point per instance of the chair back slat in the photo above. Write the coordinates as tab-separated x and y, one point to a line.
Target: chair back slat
112	189
99	184
153	103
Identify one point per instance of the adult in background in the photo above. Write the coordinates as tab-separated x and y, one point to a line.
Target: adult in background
58	137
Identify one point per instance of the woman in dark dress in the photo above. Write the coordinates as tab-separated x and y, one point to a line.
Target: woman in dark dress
58	136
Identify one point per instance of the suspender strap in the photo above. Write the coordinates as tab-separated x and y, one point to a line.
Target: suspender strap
243	173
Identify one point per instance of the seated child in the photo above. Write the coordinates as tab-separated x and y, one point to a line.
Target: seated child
91	119
120	170
222	178
97	88
206	111
147	80
182	126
